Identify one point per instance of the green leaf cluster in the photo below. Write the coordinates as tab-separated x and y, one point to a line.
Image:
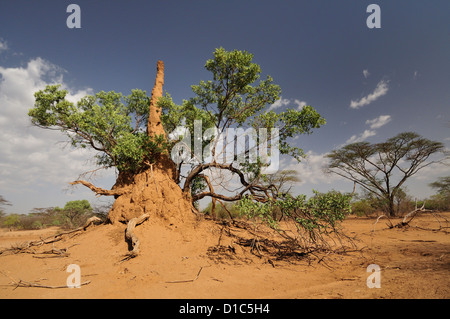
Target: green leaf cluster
113	124
235	97
257	210
320	213
231	96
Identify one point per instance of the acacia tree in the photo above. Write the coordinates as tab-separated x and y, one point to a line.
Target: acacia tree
131	134
75	213
383	168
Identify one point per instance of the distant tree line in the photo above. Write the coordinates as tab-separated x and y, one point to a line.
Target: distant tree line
74	214
367	204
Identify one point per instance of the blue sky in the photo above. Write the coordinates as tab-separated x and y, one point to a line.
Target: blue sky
369	84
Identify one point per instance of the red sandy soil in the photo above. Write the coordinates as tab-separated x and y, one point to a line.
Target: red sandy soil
174	263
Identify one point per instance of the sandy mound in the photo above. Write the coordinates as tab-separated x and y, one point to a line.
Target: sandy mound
152	191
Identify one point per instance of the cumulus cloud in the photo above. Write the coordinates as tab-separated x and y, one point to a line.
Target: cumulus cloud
375	123
361	137
379	121
300	104
284	102
279	103
381	89
311	170
30	155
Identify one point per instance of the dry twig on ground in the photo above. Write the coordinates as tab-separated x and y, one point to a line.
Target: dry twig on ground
28	284
411	215
189	280
27	246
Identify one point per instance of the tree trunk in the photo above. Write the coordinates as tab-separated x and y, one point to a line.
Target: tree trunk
391	206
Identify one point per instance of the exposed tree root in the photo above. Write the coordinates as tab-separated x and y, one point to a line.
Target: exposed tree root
131	237
272	245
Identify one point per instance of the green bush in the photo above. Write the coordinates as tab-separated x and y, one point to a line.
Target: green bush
362	208
319	213
12	221
220	212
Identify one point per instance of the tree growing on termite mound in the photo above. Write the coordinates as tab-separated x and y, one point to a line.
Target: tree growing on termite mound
127	136
163	174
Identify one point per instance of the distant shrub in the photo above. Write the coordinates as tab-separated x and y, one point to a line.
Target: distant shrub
220	212
362	208
12	221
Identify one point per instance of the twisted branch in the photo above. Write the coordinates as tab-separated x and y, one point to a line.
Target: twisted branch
100	191
131	237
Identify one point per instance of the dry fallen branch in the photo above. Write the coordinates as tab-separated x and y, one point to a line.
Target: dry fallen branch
390	223
410	216
55	253
26	247
27	284
189	280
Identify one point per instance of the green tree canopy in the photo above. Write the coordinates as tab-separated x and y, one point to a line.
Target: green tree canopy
108	122
75	212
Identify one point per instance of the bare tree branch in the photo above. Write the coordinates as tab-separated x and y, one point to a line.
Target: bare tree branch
100	191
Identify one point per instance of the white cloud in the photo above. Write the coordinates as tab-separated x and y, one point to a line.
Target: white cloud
381	89
366	73
284	102
312	169
379	121
374	124
300	104
361	137
279	103
30	155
